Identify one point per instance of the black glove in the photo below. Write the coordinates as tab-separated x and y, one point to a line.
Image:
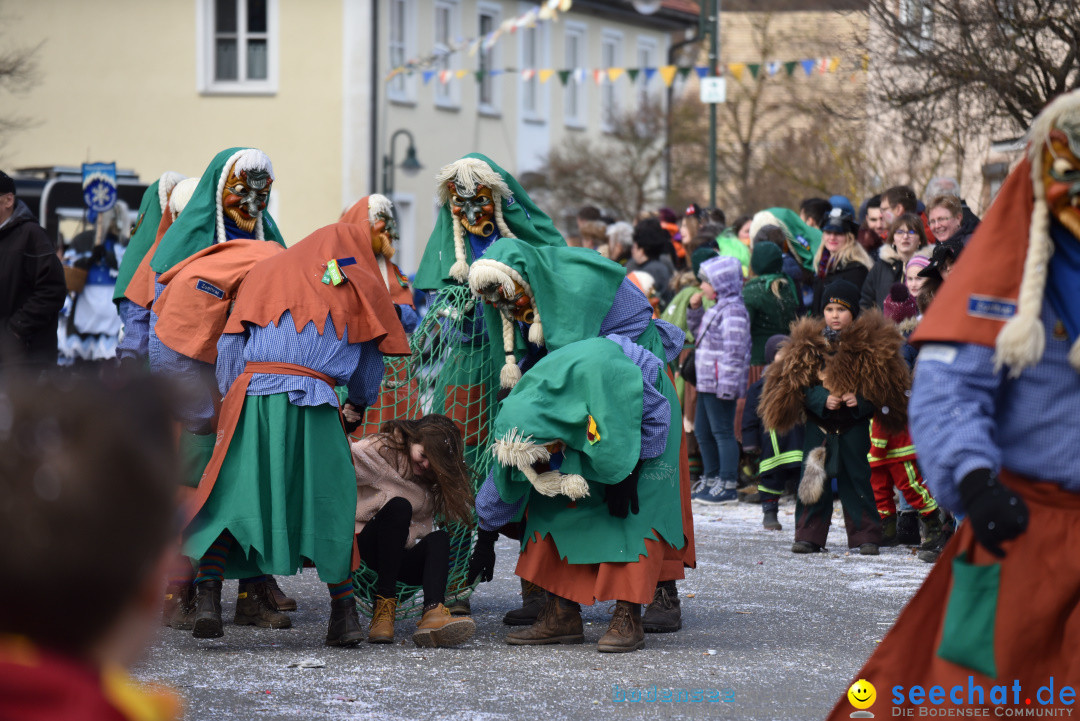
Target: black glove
622	497
482	563
351	426
996	513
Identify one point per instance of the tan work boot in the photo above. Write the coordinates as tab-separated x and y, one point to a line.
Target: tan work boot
625	632
559	622
381	629
253	608
439	629
179	609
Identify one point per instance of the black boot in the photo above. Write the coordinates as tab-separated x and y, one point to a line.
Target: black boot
344	627
208	610
907	528
888	530
663	615
179	609
253	608
769	521
532	600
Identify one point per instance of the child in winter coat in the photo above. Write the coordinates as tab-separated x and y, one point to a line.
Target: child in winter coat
780	455
722	362
407	475
836	374
770	301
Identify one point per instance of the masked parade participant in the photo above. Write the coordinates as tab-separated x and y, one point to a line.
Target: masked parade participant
993	416
281	487
588	448
527	285
143	242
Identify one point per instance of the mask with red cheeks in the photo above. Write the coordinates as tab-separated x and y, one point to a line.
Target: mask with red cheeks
476	211
245	196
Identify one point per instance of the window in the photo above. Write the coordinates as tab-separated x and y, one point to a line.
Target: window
448	94
610	57
917	17
401	44
646	58
530	89
488	88
575	94
238	46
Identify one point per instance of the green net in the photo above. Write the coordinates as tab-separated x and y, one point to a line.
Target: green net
450	371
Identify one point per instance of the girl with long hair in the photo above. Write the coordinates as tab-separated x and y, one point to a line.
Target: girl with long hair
408	475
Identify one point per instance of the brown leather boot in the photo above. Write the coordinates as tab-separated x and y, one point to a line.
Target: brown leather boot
625	632
344	627
277	598
253	608
559	621
664	614
208	610
381	629
439	629
532	600
179	609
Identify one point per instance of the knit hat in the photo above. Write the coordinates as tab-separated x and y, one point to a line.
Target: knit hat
701	255
842	293
7	185
899	304
766	259
919	261
772	346
841	202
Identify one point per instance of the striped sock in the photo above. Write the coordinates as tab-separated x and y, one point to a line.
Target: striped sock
341	590
212	564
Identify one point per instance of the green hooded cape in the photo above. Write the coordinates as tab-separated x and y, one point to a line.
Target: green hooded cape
802	239
554	401
525	220
196	228
141	240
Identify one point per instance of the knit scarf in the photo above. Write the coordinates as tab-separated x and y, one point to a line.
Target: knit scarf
823	264
1064	279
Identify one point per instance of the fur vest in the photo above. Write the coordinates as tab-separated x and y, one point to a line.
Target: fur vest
866	360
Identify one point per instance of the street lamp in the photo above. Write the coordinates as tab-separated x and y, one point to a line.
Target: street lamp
410	166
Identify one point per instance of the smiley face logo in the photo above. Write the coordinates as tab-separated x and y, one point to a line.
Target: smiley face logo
862	694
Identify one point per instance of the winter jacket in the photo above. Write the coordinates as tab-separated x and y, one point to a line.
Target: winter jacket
778	451
378	480
853	272
888	269
887	448
771	313
722	358
32	289
661	270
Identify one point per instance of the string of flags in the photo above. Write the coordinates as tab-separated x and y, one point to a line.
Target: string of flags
547	11
667	73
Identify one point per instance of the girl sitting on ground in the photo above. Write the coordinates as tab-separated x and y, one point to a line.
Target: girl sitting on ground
407	475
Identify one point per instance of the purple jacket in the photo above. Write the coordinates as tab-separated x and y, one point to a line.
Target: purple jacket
722	333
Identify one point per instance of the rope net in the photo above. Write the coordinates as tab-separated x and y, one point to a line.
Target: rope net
451	371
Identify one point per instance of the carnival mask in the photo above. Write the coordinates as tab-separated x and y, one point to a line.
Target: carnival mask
384	234
517	306
245	196
476	212
1061	175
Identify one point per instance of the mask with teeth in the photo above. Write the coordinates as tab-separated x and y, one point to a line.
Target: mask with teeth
1061	174
517	306
475	212
384	234
245	196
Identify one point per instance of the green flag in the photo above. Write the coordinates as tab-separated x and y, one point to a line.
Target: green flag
789	67
754	68
564	76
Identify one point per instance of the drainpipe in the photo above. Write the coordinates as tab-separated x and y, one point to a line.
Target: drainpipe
373	150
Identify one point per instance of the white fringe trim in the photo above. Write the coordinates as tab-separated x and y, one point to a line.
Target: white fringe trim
536	331
519	451
467	173
553	483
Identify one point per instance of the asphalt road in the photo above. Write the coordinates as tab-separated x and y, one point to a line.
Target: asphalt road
771	634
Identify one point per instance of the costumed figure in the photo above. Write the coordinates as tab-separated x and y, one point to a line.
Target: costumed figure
136	318
280	486
588	445
528	285
993	415
836	373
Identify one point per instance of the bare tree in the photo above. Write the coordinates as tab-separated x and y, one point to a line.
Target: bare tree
18	71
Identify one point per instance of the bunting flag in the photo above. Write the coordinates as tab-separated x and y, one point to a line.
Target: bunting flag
579	74
444	76
808	66
667	72
461	73
789	67
614	73
684	73
834	64
753	68
773	67
599	76
528	74
865	62
428	75
649	72
564	76
632	73
545	75
736	70
701	70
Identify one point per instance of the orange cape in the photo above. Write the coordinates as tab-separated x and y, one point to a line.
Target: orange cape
140	290
358	214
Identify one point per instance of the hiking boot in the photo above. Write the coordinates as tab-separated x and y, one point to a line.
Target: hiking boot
869	549
888	531
381	629
770	522
933	534
805	547
253	608
208	610
277	598
344	627
929	556
439	629
532	600
663	615
625	633
559	622
907	528
458	602
179	609
460	607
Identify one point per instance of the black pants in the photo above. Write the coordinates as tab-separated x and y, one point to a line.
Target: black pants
382	548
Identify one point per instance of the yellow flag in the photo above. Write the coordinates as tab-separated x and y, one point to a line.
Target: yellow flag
667	72
545	75
461	73
865	62
736	70
834	63
614	73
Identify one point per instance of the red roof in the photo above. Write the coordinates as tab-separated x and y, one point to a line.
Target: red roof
683	6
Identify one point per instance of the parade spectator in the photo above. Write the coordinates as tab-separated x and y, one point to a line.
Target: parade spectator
32	290
839	257
874	228
945	216
937	270
620	238
593	232
408	475
649	252
741	226
912	279
896	201
948	186
690	225
771	302
722	362
792	269
905	239
86	474
813	211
